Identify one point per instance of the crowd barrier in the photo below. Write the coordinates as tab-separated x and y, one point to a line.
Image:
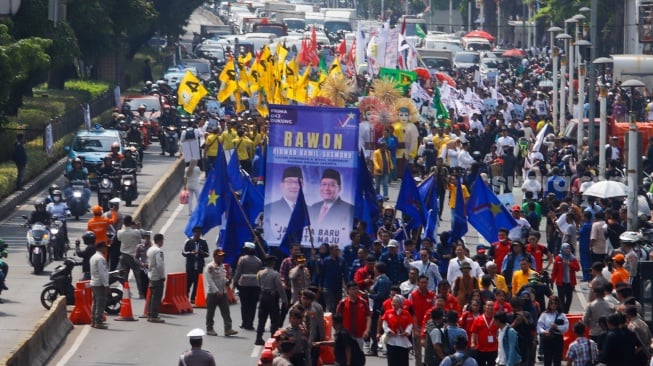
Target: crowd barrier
176	300
83	311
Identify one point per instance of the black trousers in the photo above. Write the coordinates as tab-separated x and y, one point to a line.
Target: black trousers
374	344
485	358
155	299
552	349
566	294
397	356
248	298
284	309
191	283
114	255
268	307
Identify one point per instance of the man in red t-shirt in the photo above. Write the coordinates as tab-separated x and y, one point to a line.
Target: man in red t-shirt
501	248
355	311
484	336
364	276
538	252
422	300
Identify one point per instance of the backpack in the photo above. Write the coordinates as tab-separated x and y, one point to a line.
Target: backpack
190	134
455	361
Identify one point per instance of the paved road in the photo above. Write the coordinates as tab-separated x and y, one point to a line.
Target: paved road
22	308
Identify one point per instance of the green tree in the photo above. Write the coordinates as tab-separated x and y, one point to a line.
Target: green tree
19	61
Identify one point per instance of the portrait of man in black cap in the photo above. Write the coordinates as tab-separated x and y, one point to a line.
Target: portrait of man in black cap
277	213
332	211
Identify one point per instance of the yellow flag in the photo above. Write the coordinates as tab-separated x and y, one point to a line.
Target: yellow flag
335	68
243	60
190	92
262	104
239	102
281	54
228	81
300	90
292	71
256	76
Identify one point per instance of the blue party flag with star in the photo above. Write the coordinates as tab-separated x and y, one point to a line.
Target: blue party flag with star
234	175
251	200
409	201
238	230
429	195
298	221
486	213
366	208
212	201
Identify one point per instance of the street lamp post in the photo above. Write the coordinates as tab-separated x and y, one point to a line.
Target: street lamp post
563	70
554	77
633	156
603	114
581	93
591	73
570	60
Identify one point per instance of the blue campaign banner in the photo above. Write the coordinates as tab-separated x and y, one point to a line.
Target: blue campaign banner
317	148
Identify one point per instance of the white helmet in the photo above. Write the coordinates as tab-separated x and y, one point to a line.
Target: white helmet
630	237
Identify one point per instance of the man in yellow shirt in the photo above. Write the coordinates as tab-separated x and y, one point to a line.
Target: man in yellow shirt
211	145
453	191
520	277
244	147
499	282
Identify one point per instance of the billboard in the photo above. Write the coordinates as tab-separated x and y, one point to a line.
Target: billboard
317	148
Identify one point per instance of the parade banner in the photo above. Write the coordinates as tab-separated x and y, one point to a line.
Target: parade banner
317	148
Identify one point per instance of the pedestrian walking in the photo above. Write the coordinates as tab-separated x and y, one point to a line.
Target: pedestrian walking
551	326
355	312
130	238
565	266
248	288
346	349
271	292
382	166
195	250
19	157
508	350
196	356
157	276
216	295
582	351
398	327
99	284
192	184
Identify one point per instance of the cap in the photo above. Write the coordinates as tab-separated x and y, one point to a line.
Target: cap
292	171
619	258
516	208
220	252
480	248
196	333
301	258
489	264
249	245
464	265
146	233
615	138
115	201
331	174
393	243
267	355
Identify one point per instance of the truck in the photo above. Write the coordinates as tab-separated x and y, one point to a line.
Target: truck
613	128
266	26
638	67
210	31
339	21
436	60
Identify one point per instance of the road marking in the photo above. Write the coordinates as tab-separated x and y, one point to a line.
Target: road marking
171	219
78	342
255	352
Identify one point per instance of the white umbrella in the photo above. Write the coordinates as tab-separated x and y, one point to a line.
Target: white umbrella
607	189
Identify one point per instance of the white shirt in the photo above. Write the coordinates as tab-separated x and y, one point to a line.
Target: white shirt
502	142
430	270
515	232
562	222
99	271
476	124
155	267
454	271
398	340
501	355
193	182
465	160
532	185
407	287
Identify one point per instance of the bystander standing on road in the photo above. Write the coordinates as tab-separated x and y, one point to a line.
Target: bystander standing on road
141	258
272	291
19	157
99	284
216	295
157	275
248	288
195	250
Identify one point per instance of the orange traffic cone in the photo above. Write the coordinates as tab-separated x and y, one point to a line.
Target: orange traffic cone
82	312
147	303
126	305
200	298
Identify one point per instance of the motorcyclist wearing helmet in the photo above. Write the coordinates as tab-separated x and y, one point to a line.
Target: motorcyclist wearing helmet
100	225
169	117
52	188
115	154
129	162
136	136
40	214
4	267
58	208
89	241
78	173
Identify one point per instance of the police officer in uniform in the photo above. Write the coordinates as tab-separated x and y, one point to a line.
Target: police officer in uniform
271	291
115	245
246	282
196	356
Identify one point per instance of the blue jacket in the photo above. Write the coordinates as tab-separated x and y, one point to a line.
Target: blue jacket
395	267
510	343
333	273
380	291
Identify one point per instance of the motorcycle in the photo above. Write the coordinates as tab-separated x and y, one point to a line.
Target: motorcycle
106	190
172	140
128	188
77	205
61	284
38	245
137	153
58	237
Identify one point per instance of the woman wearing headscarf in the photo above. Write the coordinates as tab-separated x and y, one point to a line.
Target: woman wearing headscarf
398	327
563	275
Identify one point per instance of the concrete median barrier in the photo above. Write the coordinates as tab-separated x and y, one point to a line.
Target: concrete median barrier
159	197
48	334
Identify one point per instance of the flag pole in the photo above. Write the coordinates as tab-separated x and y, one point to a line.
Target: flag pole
249	224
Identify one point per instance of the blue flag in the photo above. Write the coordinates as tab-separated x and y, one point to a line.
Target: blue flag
258	169
409	201
365	207
252	201
237	231
486	213
429	195
234	175
212	201
298	221
459	222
